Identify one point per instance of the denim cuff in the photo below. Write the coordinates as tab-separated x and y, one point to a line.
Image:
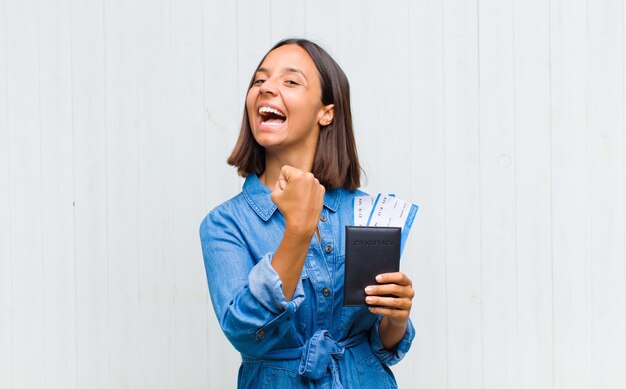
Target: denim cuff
266	286
395	355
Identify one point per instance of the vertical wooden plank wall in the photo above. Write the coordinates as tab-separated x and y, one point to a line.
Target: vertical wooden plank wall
55	72
533	192
223	106
503	120
462	197
427	94
156	257
191	308
28	346
94	340
6	317
571	189
496	61
122	178
605	130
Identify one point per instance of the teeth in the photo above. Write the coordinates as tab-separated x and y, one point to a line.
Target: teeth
270	110
273	124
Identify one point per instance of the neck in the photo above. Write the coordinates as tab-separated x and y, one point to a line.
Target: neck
275	162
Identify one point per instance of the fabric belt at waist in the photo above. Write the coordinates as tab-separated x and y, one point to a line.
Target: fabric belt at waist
320	352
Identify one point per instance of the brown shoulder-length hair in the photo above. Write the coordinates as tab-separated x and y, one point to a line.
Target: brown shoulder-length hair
336	163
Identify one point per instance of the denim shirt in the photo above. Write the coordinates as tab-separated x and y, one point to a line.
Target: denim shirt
312	341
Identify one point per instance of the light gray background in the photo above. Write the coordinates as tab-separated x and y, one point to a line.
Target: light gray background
502	119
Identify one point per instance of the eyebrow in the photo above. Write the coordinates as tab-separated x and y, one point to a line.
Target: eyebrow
284	70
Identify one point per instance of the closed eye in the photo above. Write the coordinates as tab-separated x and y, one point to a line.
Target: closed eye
258	81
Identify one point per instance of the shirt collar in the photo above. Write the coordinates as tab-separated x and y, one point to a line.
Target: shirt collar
259	198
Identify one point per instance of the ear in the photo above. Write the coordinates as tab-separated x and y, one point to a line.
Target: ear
326	115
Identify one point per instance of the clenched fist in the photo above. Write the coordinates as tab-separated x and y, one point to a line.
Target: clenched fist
299	197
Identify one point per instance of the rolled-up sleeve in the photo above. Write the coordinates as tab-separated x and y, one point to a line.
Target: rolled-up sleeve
395	355
267	288
246	294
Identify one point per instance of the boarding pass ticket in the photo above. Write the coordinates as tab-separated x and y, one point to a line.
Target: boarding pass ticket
385	210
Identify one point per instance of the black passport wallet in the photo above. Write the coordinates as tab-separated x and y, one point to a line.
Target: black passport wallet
370	251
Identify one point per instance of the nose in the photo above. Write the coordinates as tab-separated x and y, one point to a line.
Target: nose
269	86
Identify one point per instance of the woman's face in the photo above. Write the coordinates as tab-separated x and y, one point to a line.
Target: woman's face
284	103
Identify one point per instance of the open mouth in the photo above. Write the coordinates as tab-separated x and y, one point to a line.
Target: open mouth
271	116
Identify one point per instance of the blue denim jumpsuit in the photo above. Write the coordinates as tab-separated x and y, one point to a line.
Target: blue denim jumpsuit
312	341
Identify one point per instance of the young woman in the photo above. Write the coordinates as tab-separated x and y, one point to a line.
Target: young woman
274	254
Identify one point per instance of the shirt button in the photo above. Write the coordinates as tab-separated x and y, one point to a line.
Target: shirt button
326	292
323	218
328	248
260	333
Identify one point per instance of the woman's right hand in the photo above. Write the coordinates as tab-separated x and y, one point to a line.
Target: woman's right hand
299	197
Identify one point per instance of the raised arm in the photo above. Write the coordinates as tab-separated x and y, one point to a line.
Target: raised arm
299	197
